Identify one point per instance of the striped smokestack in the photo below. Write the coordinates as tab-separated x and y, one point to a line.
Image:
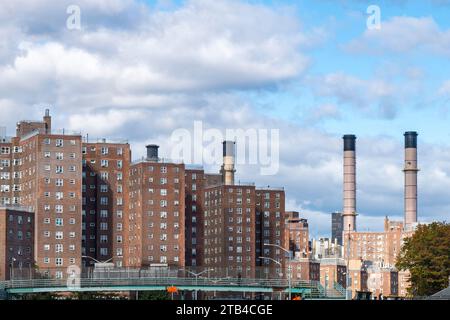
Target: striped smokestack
349	212
228	169
410	171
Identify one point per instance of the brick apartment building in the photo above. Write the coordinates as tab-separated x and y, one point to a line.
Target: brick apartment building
382	280
332	270
195	183
296	237
156	219
270	231
305	269
229	234
41	171
16	242
106	168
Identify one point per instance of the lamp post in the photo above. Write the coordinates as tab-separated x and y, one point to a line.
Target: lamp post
289	273
289	264
348	292
11	275
101	264
196	275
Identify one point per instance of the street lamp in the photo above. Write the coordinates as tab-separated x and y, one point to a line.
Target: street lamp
101	264
196	275
289	264
11	275
348	291
289	273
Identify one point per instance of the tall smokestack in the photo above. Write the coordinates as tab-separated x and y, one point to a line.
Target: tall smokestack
228	169
410	171
349	212
152	152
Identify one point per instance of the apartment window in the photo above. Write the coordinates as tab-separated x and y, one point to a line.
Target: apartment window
4	163
119	227
84	150
59	142
104	150
59	182
164	192
59	208
46	220
4	176
119	164
46	260
119	176
103	213
104	251
59	261
59	156
72	155
119	151
104	163
47	154
104	175
163	169
163	203
103	238
59	248
72	221
59	222
59	169
104	201
163	181
46	247
103	226
5	150
103	188
119	188
59	195
47	234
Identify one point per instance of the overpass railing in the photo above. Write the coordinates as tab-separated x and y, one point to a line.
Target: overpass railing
136	282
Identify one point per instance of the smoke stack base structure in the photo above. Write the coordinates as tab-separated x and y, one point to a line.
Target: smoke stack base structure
228	168
410	170
152	152
349	196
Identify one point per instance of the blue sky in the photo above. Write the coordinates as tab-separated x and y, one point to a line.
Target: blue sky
344	21
309	68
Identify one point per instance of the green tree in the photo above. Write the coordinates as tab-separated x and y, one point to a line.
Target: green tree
427	257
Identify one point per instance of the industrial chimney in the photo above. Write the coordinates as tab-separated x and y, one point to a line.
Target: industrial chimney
227	169
152	152
349	212
410	171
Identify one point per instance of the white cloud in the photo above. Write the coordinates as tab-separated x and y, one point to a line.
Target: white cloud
403	34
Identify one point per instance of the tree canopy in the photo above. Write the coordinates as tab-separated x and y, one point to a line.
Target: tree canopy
427	257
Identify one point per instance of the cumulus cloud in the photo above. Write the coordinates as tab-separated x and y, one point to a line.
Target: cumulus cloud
201	46
403	34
